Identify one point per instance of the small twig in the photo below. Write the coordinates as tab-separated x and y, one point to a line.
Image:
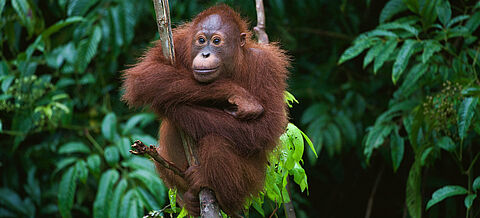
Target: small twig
288	207
140	149
260	28
368	213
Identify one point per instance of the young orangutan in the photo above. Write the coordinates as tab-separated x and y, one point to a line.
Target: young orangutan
226	92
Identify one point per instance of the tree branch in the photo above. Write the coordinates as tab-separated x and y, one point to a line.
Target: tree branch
208	204
263	39
260	28
139	149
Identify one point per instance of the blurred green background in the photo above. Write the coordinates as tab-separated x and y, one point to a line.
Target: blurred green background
396	127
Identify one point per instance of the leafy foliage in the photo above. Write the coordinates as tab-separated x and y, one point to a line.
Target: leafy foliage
439	50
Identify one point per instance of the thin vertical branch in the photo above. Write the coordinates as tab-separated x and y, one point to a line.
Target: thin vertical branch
263	39
162	11
208	204
260	28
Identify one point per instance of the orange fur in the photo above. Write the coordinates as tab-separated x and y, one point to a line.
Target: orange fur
232	152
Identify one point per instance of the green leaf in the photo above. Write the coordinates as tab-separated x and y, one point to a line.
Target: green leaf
147	199
430	48
116	198
2	6
172	197
476	184
88	48
388	49
10	199
309	142
74	147
447	144
295	136
79	7
413	191
59	25
129	205
143	118
397	148
25	14
402	59
425	155
299	176
465	115
183	213
410	85
473	23
123	146
82	171
111	155
412	5
356	49
457	19
392	8
93	163
469	200
151	181
109	124
102	200
372	53
66	192
6	82
402	26
446	192
444	11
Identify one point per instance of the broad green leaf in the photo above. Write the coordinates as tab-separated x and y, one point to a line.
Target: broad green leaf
64	162
299	176
59	25
143	119
183	213
397	149
124	147
128	205
446	143
372	53
11	200
413	191
465	115
446	192
139	163
426	153
172	197
66	192
428	14
375	138
469	200
390	46
24	11
356	49
74	147
6	82
296	138
147	199
430	48
93	163
111	155
402	26
444	11
109	124
88	48
116	198
82	171
412	5
309	142
79	7
476	184
457	20
151	181
392	8
473	23
2	5
105	188
402	59
471	91
347	127
410	85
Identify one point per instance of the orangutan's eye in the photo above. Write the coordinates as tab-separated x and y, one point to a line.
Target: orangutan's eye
201	40
216	41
